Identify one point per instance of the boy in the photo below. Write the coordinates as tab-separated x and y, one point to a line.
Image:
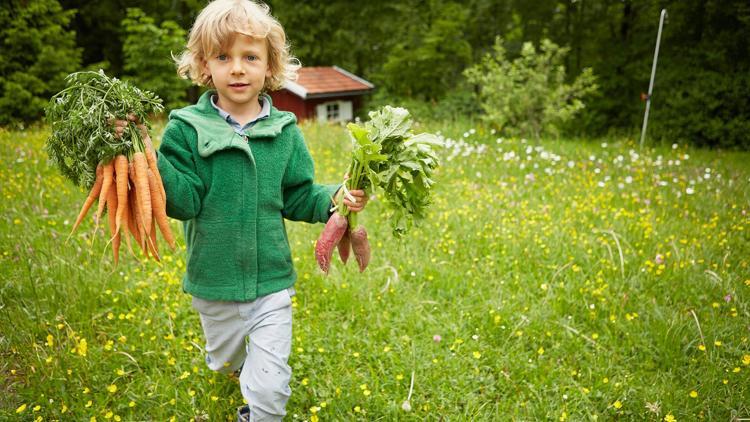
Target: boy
233	167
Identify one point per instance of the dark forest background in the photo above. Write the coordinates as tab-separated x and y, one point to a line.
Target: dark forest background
416	52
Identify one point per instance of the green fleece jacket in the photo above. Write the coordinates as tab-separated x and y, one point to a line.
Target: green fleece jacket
233	193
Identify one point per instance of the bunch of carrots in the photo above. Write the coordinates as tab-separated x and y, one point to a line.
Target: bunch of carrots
117	168
133	194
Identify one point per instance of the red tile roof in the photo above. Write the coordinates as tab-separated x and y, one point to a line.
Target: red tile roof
328	80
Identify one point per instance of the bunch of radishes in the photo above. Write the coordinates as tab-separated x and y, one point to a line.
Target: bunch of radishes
385	155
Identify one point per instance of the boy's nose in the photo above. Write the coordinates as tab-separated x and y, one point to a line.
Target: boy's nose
237	67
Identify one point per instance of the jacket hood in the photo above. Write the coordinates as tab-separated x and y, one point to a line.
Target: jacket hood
214	134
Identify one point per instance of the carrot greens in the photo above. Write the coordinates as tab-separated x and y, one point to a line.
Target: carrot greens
80	117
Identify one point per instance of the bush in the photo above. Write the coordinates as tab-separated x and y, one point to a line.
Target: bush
148	52
37	53
529	96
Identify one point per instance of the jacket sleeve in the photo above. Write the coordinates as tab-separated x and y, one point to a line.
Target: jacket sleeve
303	199
182	185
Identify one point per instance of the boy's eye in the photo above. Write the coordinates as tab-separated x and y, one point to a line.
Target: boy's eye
221	57
252	58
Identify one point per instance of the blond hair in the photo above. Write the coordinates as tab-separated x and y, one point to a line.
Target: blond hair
215	28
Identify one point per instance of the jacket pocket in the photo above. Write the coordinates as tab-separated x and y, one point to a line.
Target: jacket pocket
212	256
274	255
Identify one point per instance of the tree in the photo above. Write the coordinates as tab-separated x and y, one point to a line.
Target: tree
432	53
37	52
98	26
148	51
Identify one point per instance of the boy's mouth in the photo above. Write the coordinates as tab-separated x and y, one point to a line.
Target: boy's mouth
237	85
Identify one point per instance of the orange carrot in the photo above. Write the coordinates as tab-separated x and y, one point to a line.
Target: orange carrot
137	213
153	247
160	211
93	194
124	231
151	159
111	208
140	169
121	182
132	225
107	172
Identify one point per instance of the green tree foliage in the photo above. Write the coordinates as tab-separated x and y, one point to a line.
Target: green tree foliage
148	50
702	92
98	25
38	51
356	36
529	96
431	52
415	52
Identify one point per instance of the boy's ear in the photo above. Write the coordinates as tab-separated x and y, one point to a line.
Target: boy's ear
204	67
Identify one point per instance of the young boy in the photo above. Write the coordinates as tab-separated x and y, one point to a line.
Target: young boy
233	168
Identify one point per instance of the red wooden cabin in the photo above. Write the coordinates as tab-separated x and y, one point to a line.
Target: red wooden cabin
323	94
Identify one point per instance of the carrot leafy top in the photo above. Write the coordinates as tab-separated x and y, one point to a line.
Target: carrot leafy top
80	119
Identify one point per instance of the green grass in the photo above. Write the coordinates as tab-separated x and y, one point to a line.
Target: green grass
554	297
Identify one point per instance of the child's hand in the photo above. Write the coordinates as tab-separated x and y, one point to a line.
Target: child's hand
355	200
361	200
120	126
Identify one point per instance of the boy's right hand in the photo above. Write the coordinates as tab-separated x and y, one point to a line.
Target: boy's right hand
120	126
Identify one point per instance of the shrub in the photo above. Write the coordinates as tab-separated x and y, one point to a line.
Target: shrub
529	95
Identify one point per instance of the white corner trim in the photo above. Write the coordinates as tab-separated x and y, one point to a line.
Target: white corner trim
353	76
296	89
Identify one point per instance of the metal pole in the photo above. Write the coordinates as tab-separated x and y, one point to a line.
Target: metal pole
653	74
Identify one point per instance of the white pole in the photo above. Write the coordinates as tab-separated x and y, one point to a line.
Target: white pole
653	74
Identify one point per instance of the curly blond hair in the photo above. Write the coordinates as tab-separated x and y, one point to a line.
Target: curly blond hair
215	28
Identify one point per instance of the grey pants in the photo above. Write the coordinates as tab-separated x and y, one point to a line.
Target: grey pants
266	323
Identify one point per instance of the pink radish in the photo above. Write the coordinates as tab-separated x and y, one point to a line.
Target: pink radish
361	247
345	246
329	238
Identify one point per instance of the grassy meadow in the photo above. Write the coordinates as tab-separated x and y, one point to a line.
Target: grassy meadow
553	280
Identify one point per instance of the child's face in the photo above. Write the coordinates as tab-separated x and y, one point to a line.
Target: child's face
239	72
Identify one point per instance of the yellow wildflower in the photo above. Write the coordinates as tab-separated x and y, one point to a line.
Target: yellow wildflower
82	347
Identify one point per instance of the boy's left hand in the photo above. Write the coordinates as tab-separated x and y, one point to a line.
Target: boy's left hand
361	200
